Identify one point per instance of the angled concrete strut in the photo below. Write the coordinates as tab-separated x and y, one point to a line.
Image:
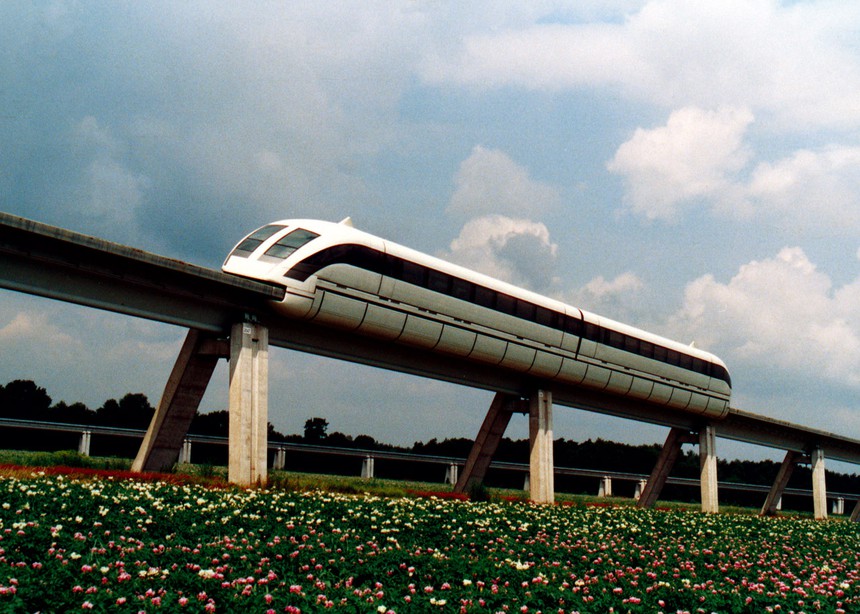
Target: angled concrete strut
179	402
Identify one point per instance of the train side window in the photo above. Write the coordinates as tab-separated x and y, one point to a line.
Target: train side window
438	282
461	289
393	266
661	353
686	362
631	344
646	349
573	325
615	339
592	331
546	317
485	297
506	304
525	310
413	273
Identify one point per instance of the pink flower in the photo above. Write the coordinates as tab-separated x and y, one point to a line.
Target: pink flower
183	601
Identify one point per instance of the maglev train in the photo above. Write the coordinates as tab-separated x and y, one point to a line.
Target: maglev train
341	277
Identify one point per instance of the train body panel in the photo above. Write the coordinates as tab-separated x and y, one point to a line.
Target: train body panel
340	277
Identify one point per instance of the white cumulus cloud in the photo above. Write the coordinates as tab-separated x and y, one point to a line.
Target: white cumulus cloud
779	312
694	155
518	251
489	182
797	62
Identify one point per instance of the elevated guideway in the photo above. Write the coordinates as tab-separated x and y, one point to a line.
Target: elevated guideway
230	317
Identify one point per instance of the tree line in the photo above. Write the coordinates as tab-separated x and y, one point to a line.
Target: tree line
25	400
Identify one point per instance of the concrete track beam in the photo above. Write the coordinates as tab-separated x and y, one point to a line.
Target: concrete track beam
487	441
542	469
249	375
665	462
771	503
179	401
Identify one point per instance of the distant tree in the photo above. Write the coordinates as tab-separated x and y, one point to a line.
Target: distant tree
216	423
365	442
133	411
76	413
24	400
315	429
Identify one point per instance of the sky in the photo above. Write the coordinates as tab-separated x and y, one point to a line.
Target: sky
688	167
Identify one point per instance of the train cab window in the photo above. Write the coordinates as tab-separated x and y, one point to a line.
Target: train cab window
255	239
288	244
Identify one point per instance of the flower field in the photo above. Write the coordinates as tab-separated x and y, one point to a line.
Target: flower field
111	545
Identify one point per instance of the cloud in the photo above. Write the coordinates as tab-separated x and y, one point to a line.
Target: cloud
108	193
796	63
619	298
780	313
693	156
701	159
809	188
514	250
489	182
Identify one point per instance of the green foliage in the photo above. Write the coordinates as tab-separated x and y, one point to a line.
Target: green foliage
315	430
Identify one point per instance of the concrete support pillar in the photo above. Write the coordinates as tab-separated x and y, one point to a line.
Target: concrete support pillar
855	514
773	502
487	441
179	401
640	487
185	454
819	486
541	467
605	488
280	459
708	469
84	444
249	373
665	461
838	506
367	467
451	473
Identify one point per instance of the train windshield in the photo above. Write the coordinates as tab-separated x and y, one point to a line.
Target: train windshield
255	239
288	244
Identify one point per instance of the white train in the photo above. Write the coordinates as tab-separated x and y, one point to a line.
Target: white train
341	277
